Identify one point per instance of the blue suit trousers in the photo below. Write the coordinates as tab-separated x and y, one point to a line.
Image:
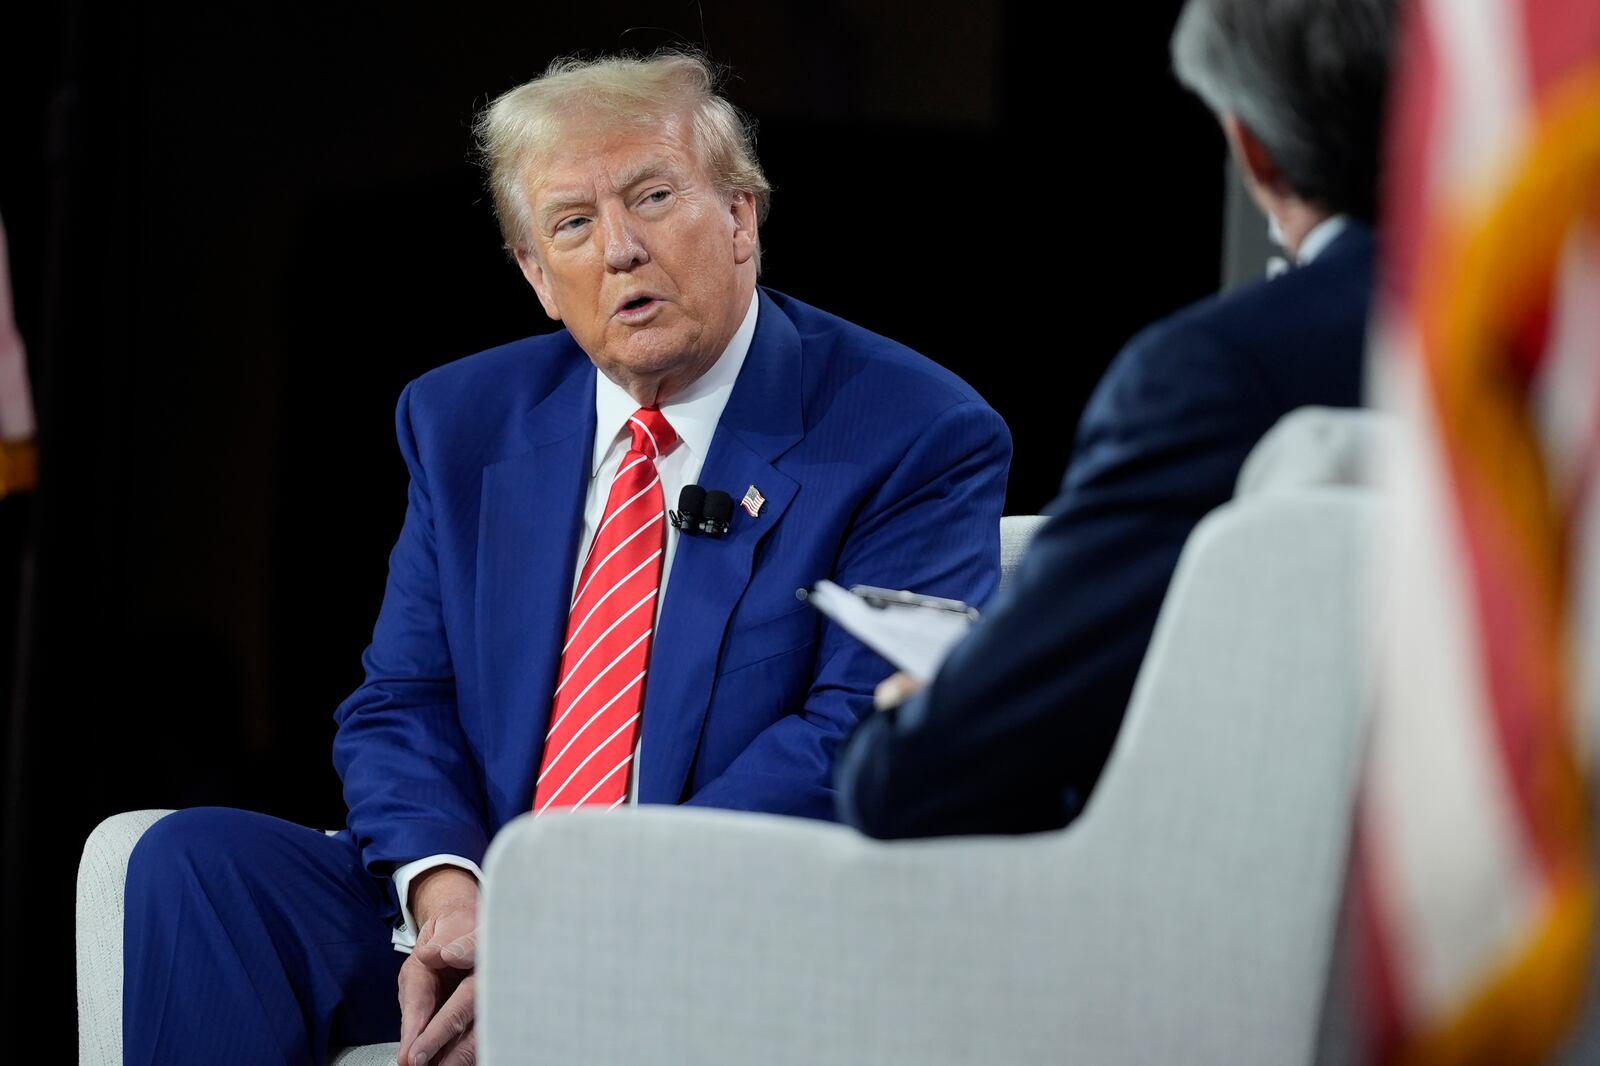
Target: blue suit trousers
248	940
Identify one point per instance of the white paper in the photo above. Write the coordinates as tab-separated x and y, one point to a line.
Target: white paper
914	639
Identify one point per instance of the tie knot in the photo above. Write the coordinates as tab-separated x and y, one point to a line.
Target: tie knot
652	433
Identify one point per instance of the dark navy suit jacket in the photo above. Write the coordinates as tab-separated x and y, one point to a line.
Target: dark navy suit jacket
1013	732
878	467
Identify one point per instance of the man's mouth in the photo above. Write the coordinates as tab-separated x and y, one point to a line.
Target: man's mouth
637	306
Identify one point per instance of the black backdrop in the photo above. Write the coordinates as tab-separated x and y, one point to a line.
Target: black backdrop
235	234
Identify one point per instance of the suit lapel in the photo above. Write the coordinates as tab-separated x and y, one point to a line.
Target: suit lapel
763	420
530	519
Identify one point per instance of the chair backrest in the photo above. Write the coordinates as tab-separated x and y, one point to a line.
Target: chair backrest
1220	824
1016	531
1318	446
1212	851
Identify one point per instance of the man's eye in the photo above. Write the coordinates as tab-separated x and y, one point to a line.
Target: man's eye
659	196
570	224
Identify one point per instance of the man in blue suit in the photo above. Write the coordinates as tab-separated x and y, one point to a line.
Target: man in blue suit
1011	735
547	640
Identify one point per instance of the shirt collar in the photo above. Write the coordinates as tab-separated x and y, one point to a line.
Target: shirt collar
693	413
1322	234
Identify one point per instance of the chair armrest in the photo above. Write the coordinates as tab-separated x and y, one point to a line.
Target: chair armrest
102	874
667	936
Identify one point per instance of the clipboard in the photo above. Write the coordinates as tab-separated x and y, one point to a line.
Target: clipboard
913	632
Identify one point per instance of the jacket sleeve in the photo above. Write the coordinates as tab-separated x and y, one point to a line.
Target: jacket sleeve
410	783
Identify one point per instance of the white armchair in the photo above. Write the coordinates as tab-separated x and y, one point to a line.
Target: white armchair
1187	916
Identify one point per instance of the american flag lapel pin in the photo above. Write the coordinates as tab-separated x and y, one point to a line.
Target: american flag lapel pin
752	501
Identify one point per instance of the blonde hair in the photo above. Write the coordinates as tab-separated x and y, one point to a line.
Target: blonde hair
522	125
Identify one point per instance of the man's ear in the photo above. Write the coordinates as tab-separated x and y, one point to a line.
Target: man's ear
743	208
1254	160
534	273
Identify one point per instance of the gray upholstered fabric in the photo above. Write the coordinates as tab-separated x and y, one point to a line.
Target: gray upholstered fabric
1318	446
102	872
1186	917
370	1055
1015	533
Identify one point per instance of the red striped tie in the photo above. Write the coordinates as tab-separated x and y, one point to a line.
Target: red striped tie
594	724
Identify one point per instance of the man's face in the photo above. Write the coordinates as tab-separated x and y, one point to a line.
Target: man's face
648	266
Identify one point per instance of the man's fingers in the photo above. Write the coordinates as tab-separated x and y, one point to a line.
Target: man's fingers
462	953
419	999
447	929
453	1019
419	950
462	1052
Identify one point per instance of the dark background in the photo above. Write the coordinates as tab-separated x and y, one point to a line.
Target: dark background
237	232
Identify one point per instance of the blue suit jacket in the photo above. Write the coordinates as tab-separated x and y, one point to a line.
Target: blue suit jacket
1013	732
877	467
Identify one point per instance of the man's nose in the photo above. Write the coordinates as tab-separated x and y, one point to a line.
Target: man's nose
624	247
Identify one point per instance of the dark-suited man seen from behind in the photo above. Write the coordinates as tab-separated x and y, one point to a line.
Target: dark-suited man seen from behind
548	640
1012	733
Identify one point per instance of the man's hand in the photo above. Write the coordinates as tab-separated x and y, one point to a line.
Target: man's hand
894	690
437	985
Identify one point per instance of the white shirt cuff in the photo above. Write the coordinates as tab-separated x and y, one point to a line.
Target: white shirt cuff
405	935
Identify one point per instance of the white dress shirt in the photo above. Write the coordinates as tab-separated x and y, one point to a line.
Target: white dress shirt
693	415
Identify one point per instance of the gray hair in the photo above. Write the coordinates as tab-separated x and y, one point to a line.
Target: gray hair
1309	79
520	128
